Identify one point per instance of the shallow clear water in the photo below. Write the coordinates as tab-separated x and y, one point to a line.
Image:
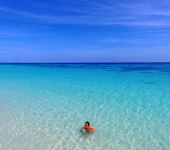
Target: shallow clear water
44	106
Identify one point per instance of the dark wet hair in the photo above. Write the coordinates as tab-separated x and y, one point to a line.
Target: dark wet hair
87	123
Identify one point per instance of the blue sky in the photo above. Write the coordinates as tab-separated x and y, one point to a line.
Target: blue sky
84	31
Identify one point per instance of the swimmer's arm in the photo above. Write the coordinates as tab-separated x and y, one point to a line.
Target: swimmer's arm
84	130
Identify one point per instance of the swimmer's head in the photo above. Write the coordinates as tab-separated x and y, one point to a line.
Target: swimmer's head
87	123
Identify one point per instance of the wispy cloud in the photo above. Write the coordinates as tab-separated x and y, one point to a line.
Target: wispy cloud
3	51
20	33
97	13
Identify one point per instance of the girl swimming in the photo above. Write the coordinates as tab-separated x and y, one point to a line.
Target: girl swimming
87	127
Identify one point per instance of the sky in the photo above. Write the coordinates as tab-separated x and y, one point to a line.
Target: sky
84	31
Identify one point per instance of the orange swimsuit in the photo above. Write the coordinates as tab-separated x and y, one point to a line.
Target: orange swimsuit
89	128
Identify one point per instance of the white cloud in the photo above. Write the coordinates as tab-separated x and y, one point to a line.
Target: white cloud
95	13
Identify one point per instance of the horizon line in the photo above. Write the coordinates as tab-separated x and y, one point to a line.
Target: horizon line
80	62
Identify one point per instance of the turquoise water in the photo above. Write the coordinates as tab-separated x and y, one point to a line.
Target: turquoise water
44	106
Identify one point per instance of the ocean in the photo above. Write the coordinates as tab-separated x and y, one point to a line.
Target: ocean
44	106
